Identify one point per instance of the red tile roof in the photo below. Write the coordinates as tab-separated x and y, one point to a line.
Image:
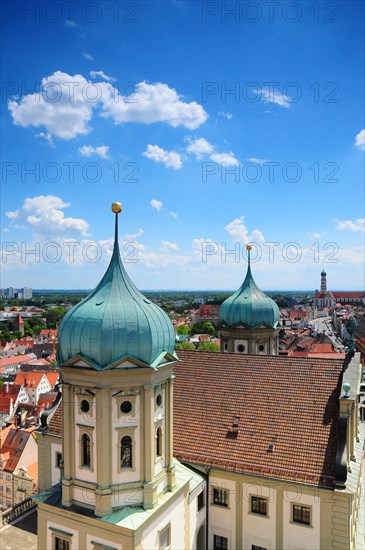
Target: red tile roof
55	424
290	402
46	399
14	444
8	395
29	379
348	294
15	360
52	377
49	332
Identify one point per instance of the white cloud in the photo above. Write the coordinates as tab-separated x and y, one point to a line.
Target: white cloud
170	159
44	215
152	103
134	236
88	56
315	235
46	136
156	204
355	226
61	106
65	105
173	214
101	74
227	115
224	158
270	96
238	232
200	147
257	161
168	244
360	140
101	151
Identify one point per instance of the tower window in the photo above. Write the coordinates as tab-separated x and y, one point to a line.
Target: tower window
159	442
261	347
126	452
85	406
241	348
159	400
86	450
126	407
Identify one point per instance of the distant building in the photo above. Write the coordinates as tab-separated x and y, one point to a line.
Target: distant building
18	448
25	482
27	293
324	298
354	298
208	313
21	293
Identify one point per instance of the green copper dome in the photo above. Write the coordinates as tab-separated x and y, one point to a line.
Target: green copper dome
115	321
249	306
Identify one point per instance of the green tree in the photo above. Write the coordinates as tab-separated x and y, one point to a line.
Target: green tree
54	316
208	346
196	328
185	345
208	328
183	329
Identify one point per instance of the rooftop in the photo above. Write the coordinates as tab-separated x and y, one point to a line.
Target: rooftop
289	402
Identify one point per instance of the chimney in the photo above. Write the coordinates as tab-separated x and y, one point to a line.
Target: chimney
6	387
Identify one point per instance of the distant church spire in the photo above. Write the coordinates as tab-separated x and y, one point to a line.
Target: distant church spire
323	281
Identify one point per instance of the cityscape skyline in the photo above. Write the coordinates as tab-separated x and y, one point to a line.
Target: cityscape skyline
202	150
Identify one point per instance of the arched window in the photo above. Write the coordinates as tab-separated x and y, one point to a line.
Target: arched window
126	452
159	442
86	450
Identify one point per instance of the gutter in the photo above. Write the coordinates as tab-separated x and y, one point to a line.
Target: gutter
207	470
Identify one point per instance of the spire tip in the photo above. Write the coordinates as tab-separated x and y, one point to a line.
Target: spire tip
116	207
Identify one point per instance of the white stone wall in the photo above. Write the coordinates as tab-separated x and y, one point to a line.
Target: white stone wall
259	530
173	516
222	520
55	472
296	536
196	518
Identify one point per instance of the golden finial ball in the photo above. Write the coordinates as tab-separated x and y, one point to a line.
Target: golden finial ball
248	247
116	207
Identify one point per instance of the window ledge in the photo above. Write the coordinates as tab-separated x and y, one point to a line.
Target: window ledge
257	514
297	523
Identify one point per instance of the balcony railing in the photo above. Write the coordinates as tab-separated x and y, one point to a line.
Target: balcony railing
14	512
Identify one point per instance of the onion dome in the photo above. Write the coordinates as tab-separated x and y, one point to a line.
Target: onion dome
116	322
323	273
249	306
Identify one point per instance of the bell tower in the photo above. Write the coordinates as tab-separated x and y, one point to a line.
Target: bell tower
323	281
249	319
116	354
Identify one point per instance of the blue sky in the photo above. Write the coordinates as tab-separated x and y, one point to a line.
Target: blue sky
213	129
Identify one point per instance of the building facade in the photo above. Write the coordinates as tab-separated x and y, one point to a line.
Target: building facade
221	451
